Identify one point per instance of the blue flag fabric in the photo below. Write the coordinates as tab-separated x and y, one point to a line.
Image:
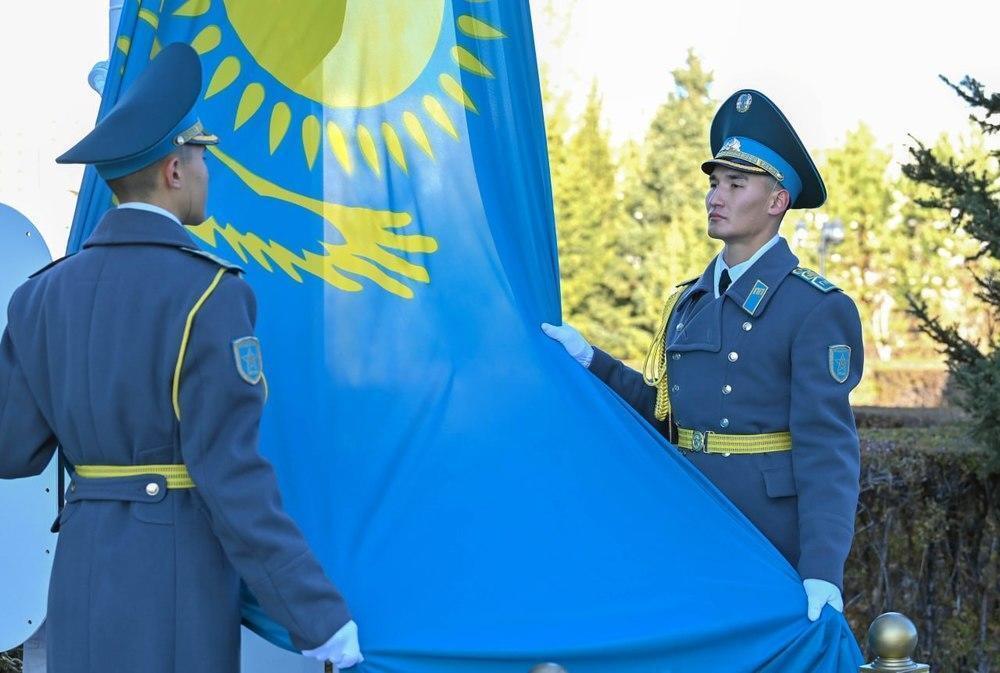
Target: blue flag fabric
483	502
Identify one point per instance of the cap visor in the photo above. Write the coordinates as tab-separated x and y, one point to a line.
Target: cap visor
204	139
710	165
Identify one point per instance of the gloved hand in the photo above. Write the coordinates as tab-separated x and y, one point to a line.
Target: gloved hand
818	594
572	341
342	649
98	75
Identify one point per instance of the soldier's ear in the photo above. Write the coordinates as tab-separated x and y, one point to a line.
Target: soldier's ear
779	201
171	171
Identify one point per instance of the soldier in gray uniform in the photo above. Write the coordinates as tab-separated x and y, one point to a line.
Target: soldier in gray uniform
750	370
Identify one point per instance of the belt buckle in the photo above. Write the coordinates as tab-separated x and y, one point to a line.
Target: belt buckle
698	441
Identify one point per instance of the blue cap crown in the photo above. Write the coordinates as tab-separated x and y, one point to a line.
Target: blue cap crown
750	134
152	119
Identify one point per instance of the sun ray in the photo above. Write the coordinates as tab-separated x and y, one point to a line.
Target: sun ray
478	29
124	44
416	131
451	87
224	75
395	147
367	144
281	117
439	115
467	61
208	39
149	17
311	134
193	8
155	49
250	102
338	145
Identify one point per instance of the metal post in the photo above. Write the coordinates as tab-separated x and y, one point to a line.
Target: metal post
892	638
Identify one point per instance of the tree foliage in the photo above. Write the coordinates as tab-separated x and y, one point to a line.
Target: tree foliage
969	193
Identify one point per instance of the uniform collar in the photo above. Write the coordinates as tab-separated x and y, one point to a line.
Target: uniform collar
754	288
133	226
149	207
737	270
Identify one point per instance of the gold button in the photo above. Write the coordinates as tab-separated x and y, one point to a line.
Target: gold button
152	489
734	356
726	389
747	326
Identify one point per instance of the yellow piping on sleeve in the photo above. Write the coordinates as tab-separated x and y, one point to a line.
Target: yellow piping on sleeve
184	341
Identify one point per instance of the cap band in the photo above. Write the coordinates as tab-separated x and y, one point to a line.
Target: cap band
762	156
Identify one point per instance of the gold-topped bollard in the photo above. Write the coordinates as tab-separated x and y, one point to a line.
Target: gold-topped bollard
892	638
547	668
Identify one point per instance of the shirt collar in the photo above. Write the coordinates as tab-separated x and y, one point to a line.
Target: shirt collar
149	207
139	226
738	270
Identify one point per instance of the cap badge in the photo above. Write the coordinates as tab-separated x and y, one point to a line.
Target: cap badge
731	144
743	102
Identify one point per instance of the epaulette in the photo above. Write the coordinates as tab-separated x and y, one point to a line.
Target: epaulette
225	263
687	282
814	279
51	264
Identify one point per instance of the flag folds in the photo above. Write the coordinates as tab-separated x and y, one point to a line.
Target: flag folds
483	502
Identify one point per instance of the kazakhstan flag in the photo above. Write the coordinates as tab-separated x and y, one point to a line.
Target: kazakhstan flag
482	501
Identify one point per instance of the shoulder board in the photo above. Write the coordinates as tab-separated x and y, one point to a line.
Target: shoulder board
814	279
51	264
687	282
225	263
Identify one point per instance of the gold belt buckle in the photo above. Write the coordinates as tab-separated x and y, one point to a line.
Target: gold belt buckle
698	441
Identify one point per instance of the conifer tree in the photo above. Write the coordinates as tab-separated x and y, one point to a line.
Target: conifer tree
971	195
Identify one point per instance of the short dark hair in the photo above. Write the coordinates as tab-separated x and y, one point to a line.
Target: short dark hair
139	185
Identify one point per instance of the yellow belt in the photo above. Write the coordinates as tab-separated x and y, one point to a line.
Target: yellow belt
176	475
714	442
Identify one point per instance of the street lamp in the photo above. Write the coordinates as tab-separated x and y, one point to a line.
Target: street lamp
830	235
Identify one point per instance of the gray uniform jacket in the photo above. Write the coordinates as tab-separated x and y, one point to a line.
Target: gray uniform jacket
779	351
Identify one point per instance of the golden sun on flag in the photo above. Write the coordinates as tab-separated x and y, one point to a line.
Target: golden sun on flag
359	78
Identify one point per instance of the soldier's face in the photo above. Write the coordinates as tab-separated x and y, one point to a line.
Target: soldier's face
741	206
195	185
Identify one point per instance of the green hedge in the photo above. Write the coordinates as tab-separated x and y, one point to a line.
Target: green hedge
928	544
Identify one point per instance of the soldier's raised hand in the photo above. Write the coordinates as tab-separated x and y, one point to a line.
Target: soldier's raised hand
572	341
342	650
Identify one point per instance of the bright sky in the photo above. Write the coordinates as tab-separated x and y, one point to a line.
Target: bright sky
828	65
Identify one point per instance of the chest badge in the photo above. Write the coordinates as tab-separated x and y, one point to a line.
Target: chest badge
754	298
840	363
249	364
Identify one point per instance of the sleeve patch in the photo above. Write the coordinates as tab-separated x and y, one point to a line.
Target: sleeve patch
840	362
249	362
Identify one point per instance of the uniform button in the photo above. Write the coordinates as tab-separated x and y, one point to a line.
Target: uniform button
726	389
747	326
679	327
675	388
724	423
677	356
734	356
152	489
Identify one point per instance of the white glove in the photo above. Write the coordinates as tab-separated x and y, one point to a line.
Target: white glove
818	594
572	341
342	649
98	75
